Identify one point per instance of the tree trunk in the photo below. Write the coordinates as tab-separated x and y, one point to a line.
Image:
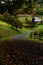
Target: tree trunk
39	37
16	28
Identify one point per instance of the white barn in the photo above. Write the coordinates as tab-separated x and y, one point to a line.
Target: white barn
36	19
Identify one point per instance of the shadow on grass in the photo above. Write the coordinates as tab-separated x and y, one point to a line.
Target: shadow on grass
30	27
16	30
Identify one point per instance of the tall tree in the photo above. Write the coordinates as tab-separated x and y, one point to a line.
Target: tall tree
15	23
10	5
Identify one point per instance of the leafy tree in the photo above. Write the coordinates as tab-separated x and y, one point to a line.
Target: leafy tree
15	23
6	16
10	5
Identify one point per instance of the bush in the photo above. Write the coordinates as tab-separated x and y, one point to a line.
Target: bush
1	17
27	21
40	13
6	16
38	35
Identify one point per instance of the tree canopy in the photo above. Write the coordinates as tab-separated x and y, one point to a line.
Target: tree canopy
12	6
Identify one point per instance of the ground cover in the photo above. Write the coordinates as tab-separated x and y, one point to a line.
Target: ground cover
38	29
21	52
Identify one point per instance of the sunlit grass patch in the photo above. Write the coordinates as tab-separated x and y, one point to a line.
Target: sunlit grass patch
22	19
3	23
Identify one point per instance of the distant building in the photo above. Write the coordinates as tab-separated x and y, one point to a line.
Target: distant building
36	19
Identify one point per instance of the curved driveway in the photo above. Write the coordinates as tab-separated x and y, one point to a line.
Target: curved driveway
22	36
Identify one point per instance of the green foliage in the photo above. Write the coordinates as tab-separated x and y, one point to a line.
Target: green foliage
6	16
10	5
15	22
27	21
7	32
38	33
1	17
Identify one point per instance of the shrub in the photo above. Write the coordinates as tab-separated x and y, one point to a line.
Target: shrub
1	17
27	21
6	16
35	34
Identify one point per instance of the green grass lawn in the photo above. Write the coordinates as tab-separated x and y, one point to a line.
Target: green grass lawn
22	19
7	32
39	28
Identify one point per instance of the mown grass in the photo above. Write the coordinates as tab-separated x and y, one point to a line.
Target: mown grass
22	19
40	27
6	31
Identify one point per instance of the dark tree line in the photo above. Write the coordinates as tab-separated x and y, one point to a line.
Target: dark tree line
12	5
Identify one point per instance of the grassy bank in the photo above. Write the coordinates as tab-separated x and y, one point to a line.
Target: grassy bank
6	31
